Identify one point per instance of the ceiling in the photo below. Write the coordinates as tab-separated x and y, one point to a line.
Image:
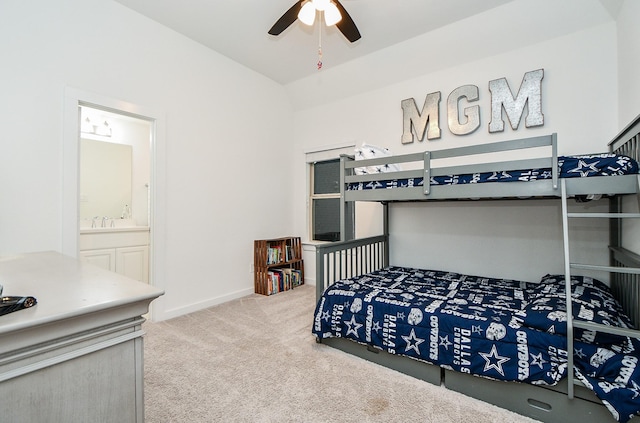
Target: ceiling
238	29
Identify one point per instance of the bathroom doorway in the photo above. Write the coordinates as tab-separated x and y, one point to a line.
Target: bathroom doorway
115	195
144	206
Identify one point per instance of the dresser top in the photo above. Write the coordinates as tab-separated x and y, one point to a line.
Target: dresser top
66	288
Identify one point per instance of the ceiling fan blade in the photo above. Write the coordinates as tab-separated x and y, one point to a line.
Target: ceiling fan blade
346	24
287	19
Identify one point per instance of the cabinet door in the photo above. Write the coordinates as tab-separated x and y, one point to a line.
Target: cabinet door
133	262
105	259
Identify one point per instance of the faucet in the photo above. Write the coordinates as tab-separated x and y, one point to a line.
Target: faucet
104	221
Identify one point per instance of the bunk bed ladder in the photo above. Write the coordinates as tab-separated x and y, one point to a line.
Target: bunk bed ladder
617	268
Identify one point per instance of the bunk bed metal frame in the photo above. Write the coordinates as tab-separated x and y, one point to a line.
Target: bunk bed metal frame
346	259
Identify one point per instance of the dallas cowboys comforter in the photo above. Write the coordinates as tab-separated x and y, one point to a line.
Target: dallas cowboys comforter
606	164
499	329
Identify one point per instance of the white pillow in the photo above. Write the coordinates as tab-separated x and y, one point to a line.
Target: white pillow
367	151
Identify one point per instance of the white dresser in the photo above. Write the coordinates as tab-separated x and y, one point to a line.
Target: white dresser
76	356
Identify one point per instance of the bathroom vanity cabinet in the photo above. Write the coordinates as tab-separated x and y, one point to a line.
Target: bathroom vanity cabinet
77	355
121	250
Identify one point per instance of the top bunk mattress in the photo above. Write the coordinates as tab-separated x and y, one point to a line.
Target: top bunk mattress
519	168
582	166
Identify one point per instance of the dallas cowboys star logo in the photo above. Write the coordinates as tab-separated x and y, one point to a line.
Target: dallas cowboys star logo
584	168
444	342
353	326
326	315
494	360
537	360
411	345
635	389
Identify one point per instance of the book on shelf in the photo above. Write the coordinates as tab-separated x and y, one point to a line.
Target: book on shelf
273	282
274	255
296	277
289	255
280	280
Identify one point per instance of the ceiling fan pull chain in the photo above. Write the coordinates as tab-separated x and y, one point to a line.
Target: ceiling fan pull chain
319	47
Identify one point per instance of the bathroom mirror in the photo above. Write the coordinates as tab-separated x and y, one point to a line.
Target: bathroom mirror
105	178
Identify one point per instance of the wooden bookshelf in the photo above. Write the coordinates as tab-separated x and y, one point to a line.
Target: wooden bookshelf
277	264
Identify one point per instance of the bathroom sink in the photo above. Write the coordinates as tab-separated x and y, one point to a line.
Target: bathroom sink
110	225
114	229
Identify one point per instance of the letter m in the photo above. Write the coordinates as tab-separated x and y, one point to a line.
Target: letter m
412	119
528	94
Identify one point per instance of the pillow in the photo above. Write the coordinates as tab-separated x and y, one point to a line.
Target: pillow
367	151
575	280
593	302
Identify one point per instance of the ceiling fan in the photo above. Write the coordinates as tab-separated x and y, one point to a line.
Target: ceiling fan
306	10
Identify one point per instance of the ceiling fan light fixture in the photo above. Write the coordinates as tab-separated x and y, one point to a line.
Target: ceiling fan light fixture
321	5
332	15
307	13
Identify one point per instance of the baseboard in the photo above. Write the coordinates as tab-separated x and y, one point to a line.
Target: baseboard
191	308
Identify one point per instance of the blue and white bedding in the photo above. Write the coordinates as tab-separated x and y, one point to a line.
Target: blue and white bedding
495	328
606	164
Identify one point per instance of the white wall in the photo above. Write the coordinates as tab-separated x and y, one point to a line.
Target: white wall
508	28
629	93
579	103
219	119
629	62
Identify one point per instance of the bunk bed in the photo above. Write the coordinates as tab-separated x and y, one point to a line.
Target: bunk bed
502	341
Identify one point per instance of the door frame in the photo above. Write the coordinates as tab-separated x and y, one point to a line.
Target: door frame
70	213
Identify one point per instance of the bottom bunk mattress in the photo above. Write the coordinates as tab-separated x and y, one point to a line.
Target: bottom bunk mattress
495	328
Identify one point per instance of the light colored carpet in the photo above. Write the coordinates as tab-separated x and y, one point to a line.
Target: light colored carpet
255	360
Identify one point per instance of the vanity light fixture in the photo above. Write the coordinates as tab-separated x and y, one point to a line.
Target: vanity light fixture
91	127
